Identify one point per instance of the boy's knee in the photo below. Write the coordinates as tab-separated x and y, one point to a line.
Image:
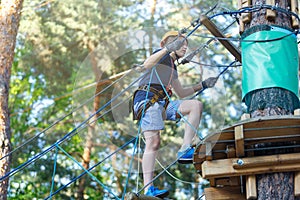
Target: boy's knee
197	105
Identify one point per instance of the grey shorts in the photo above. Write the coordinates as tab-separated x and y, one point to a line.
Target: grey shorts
153	118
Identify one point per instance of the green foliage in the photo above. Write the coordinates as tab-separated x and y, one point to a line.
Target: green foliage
63	48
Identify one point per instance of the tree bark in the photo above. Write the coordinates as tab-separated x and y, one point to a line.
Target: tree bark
272	101
10	12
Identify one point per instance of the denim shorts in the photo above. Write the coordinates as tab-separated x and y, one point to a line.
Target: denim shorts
153	118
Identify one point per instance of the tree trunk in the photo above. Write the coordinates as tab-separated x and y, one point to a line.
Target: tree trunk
272	101
9	19
86	157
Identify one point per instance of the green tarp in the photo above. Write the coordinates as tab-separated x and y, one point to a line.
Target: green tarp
272	63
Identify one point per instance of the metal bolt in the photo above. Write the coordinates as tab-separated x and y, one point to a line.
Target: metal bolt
240	162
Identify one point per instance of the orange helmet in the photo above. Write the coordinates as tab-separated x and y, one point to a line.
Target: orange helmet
169	34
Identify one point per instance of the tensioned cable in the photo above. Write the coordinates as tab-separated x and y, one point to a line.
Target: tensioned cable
166	169
144	109
63	117
224	70
120	103
143	113
91	168
163	171
257	8
296	32
54	170
88	172
279	38
69	134
177	111
215	65
91	122
106	157
181	115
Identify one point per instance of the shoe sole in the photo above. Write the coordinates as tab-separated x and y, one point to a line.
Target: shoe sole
185	161
163	195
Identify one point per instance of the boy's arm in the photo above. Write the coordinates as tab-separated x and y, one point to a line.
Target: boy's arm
155	58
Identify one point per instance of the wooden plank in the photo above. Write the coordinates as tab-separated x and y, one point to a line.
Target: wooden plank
245	116
297	184
212	182
230	151
223	193
208	151
295	9
246	17
254	125
239	141
224	167
270	14
267	160
251	191
216	32
297	112
228	181
256	130
278	119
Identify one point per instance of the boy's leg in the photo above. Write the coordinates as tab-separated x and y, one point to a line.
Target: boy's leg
148	163
193	110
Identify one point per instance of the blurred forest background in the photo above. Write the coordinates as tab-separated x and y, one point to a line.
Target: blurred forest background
75	56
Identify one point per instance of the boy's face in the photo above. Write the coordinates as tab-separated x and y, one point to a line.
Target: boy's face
180	52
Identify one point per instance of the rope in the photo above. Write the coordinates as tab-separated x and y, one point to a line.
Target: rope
68	135
200	91
163	171
91	168
168	96
64	117
56	145
88	172
54	170
130	166
296	32
256	8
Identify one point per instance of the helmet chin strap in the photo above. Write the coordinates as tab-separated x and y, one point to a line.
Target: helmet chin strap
176	57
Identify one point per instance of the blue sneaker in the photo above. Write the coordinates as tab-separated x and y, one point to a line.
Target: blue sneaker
186	157
155	192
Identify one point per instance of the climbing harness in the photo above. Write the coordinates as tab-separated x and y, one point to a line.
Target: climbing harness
56	145
158	94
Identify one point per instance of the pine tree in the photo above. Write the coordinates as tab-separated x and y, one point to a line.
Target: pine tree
9	19
269	101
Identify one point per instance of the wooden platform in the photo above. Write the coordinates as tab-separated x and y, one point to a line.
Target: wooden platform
246	149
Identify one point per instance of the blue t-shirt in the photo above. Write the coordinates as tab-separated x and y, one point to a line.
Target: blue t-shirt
165	71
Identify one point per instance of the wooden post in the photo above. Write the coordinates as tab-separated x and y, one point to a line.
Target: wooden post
271	14
297	112
208	151
295	9
245	17
251	192
239	141
217	33
245	116
264	102
297	184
